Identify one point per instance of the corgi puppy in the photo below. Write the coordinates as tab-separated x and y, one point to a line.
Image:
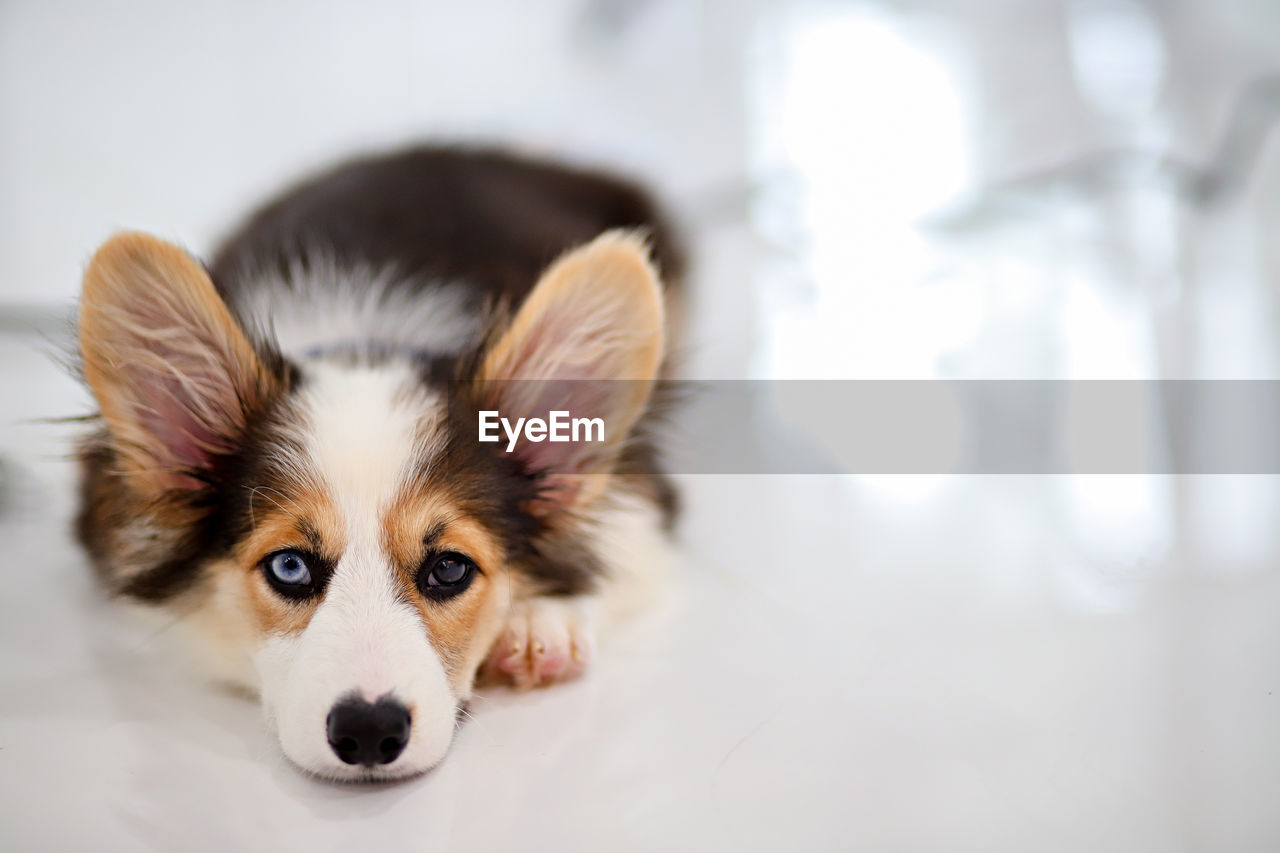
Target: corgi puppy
291	453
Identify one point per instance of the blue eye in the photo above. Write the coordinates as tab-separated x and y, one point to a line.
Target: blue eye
287	569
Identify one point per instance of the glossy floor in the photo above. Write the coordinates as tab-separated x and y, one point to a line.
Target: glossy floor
843	664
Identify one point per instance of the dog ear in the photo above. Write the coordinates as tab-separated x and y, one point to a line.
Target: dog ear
174	374
587	340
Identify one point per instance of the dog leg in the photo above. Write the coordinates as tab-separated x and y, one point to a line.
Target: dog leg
546	640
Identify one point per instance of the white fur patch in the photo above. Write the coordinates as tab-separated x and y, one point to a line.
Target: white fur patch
628	530
325	303
361	432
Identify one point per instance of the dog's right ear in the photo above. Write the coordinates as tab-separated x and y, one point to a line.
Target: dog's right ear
175	376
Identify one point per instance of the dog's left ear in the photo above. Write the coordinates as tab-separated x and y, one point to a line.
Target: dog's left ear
588	340
174	373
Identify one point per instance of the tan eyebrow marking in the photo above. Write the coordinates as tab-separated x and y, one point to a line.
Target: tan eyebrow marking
433	536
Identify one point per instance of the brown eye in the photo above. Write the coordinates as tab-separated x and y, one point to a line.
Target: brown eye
445	575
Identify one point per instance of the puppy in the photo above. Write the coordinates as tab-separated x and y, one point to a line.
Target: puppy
291	454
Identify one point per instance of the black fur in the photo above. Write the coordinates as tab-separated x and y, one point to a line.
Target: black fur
490	219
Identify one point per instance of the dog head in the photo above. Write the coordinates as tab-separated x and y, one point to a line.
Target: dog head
333	523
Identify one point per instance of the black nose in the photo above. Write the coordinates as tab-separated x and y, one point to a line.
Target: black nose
366	734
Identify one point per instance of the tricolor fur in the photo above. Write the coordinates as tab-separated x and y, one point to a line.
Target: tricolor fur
305	407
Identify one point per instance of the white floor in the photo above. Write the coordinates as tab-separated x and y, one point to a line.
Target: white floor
838	668
873	663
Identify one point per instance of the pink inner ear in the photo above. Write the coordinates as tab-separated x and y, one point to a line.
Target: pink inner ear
178	382
568	347
586	343
563	465
179	434
581	398
171	368
558	492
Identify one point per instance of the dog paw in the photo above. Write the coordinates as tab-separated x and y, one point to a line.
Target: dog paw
545	641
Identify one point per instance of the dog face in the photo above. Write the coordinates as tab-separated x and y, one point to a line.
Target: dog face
333	522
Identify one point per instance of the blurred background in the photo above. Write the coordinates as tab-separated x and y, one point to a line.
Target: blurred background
967	189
